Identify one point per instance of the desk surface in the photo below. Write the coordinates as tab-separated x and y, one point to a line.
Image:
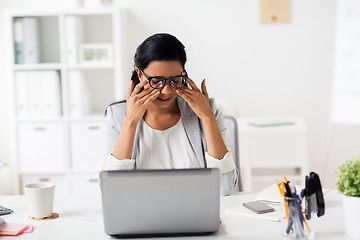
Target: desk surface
72	208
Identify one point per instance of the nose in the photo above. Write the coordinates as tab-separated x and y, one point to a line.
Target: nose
167	88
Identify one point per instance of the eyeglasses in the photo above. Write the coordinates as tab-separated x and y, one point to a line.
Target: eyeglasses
159	82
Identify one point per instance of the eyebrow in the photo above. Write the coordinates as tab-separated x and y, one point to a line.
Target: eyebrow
162	76
165	77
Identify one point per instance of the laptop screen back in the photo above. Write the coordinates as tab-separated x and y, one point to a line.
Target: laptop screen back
160	201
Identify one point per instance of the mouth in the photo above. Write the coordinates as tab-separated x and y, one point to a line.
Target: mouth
164	100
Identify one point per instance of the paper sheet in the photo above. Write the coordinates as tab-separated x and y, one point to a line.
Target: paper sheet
96	216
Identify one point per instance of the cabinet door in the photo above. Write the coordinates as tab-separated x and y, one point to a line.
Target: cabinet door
61	184
41	147
85	184
87	146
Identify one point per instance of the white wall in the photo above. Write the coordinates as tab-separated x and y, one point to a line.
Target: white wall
263	70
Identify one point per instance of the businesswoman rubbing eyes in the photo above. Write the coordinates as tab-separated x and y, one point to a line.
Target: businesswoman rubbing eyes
167	121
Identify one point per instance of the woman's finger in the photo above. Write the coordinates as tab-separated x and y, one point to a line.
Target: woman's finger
185	89
138	87
203	89
152	97
192	84
149	95
146	92
184	94
130	89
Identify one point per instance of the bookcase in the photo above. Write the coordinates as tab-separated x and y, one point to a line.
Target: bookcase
65	69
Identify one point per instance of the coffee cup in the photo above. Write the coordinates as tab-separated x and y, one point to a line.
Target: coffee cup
40	199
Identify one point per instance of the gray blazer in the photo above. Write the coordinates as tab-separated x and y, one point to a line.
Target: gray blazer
193	128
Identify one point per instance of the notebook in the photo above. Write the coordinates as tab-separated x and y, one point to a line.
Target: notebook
13	229
160	202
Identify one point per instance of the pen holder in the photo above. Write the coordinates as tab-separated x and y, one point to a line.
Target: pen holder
296	227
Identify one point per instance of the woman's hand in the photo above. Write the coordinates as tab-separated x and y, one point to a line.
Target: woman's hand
197	100
137	102
199	103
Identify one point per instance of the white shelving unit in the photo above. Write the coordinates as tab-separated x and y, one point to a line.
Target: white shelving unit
65	147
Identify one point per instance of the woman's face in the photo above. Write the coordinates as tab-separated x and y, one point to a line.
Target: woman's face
164	69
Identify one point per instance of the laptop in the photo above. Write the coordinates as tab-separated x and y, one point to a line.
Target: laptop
160	202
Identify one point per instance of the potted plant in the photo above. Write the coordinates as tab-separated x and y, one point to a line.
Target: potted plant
348	184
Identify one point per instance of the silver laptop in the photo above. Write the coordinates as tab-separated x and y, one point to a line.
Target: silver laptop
160	202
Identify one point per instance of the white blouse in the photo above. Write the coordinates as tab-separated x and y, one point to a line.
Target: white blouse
166	149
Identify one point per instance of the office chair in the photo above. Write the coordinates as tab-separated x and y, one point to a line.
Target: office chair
233	143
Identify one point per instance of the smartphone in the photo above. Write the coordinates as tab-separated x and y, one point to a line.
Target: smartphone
258	207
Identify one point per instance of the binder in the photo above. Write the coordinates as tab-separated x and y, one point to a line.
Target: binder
73	37
51	93
34	81
22	97
78	94
31	40
18	40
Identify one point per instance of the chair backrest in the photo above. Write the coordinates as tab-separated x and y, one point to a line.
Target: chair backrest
233	142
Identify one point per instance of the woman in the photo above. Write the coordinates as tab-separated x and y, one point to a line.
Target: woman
166	121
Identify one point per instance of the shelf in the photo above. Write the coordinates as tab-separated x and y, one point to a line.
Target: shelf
91	118
91	11
96	118
86	66
42	173
46	12
86	172
40	120
39	66
62	92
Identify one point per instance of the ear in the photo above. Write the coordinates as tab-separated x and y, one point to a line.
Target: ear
138	72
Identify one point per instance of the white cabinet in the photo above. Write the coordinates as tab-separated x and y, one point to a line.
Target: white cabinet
65	69
83	184
87	146
41	147
269	153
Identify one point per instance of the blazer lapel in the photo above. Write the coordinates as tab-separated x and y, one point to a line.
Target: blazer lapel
193	129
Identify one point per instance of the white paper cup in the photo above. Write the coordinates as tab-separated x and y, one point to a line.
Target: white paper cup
40	199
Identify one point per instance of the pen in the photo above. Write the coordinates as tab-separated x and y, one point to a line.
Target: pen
285	179
289	226
278	184
307	226
285	205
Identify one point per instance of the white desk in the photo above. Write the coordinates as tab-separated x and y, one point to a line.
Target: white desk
269	152
71	208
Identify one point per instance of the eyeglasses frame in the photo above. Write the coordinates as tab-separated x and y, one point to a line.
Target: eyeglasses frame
166	79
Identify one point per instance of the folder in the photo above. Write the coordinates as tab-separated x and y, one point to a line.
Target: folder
73	37
18	40
51	93
31	40
34	81
22	96
78	94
